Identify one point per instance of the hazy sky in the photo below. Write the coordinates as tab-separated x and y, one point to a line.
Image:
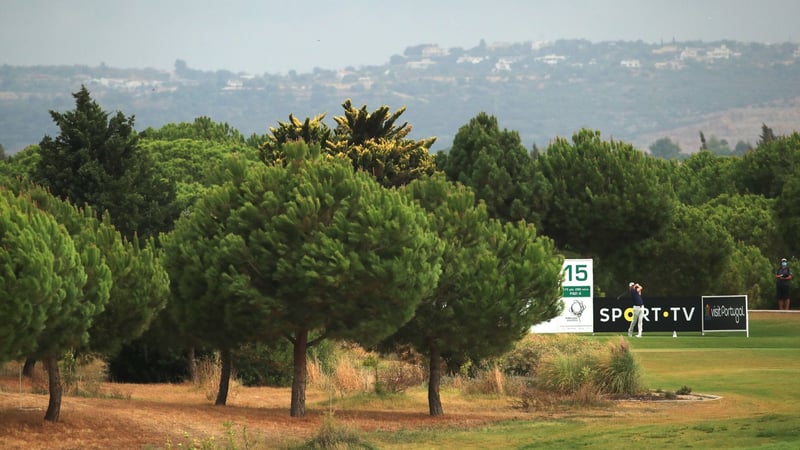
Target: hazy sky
277	36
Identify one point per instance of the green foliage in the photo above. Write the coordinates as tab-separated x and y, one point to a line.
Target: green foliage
139	292
687	257
202	129
359	126
78	261
498	279
21	164
267	364
704	176
377	146
767	168
606	194
126	274
749	219
787	216
665	148
41	274
311	131
497	167
96	160
192	164
309	246
372	142
566	372
718	146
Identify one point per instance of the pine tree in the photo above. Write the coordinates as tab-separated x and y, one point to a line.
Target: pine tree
95	160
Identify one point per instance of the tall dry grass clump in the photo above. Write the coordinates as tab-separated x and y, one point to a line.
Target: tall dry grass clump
209	371
618	371
612	369
566	372
335	435
82	376
344	373
350	375
395	376
524	358
353	369
490	381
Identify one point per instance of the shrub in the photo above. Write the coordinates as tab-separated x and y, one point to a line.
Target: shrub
397	376
617	370
487	381
333	435
82	375
265	364
526	396
524	358
609	370
588	394
566	372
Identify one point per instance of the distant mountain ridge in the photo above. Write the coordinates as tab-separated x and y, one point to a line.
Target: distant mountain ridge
631	91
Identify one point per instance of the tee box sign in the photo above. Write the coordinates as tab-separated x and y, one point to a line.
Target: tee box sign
576	294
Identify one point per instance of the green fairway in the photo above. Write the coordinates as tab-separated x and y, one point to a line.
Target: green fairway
754	376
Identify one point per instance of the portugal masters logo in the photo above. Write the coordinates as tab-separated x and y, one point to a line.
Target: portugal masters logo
577	308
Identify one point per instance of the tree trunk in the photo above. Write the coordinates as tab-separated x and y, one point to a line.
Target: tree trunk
192	365
54	382
300	373
434	380
27	369
224	376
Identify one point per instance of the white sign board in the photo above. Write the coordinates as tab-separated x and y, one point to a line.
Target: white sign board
577	295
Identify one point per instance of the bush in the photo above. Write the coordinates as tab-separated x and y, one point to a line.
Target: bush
333	435
566	372
143	362
609	370
617	370
82	375
487	381
397	376
264	364
524	359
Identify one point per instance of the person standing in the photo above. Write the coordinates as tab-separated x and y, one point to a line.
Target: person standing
638	307
783	277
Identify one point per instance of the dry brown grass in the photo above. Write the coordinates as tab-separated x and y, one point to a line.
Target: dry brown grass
209	371
178	413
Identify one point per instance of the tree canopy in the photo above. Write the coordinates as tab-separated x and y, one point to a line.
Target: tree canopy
497	281
605	194
309	248
498	168
96	160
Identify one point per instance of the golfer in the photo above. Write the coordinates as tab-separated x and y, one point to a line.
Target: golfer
638	307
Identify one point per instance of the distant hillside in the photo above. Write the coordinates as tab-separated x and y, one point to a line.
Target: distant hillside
630	91
734	125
